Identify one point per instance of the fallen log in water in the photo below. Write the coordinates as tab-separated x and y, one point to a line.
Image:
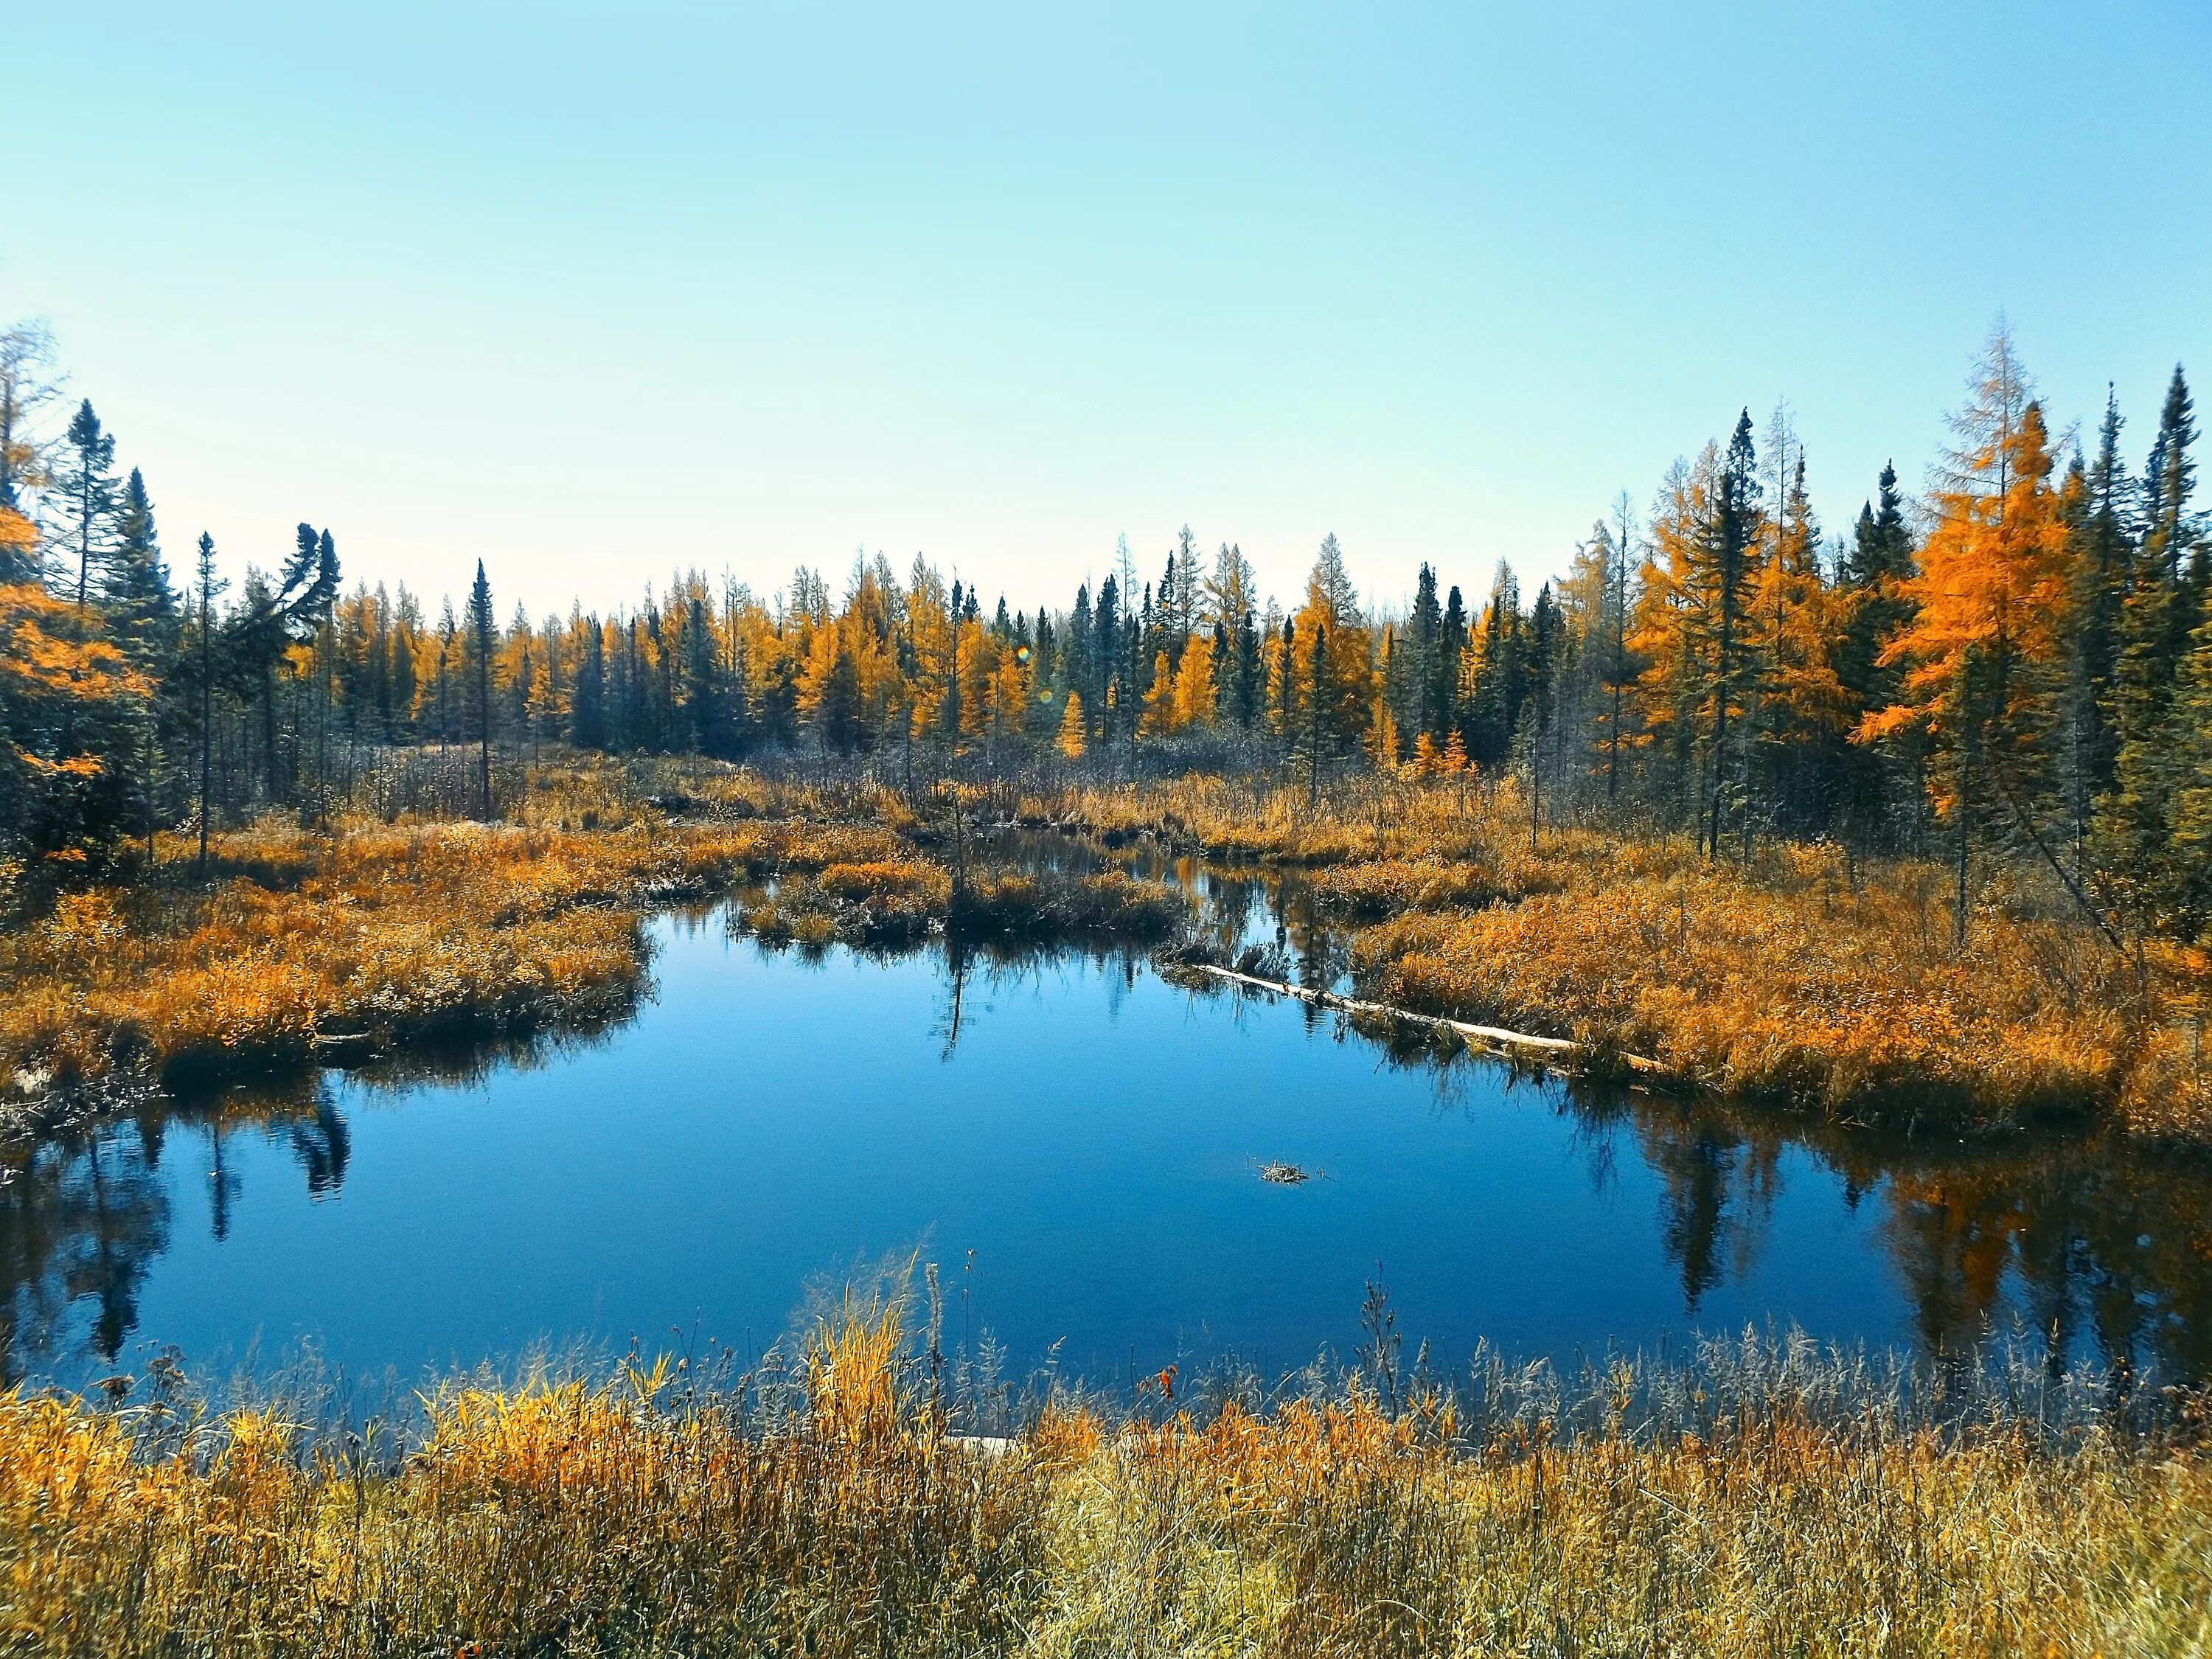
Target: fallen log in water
1497	1035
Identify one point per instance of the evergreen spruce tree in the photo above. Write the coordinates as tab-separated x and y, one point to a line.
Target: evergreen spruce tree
1500	683
142	619
1107	651
1078	668
271	620
205	587
1451	640
2134	831
2101	553
1729	547
1882	779
1539	663
703	679
85	493
482	640
1428	707
587	700
134	583
1250	686
2173	538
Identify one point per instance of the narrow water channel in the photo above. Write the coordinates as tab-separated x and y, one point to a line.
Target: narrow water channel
1079	1144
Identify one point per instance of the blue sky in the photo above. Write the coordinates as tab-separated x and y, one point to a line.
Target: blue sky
592	293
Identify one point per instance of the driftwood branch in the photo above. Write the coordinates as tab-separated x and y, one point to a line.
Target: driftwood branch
1495	1035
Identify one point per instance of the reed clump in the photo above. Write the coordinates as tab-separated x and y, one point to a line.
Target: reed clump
895	901
1370	888
1761	1500
1108	903
890	900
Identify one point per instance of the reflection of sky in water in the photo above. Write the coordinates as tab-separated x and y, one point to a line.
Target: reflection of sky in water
1092	1137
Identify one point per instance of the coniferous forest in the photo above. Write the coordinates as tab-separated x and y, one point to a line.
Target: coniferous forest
2013	664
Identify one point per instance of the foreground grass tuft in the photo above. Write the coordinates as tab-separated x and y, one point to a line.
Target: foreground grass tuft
834	1514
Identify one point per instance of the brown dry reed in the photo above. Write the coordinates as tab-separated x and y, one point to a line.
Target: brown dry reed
1763	1499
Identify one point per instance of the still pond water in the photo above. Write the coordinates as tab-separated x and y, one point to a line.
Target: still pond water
1077	1142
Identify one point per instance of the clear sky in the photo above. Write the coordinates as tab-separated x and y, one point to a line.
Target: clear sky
595	291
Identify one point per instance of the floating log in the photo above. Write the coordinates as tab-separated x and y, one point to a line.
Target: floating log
1491	1034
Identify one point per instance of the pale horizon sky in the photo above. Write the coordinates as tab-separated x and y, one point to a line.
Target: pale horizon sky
596	294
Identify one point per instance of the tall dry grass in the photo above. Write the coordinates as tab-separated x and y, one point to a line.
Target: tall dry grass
1763	1500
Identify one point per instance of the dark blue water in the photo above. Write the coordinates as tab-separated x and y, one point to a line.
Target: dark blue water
1076	1143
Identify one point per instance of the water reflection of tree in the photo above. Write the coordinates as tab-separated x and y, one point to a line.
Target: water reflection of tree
85	1209
1716	1200
2111	1252
83	1218
322	1143
2100	1248
989	967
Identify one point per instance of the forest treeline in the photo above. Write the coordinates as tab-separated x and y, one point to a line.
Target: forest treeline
2016	662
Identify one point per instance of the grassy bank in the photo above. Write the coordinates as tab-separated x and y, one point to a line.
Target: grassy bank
351	941
363	938
1802	977
1761	1501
